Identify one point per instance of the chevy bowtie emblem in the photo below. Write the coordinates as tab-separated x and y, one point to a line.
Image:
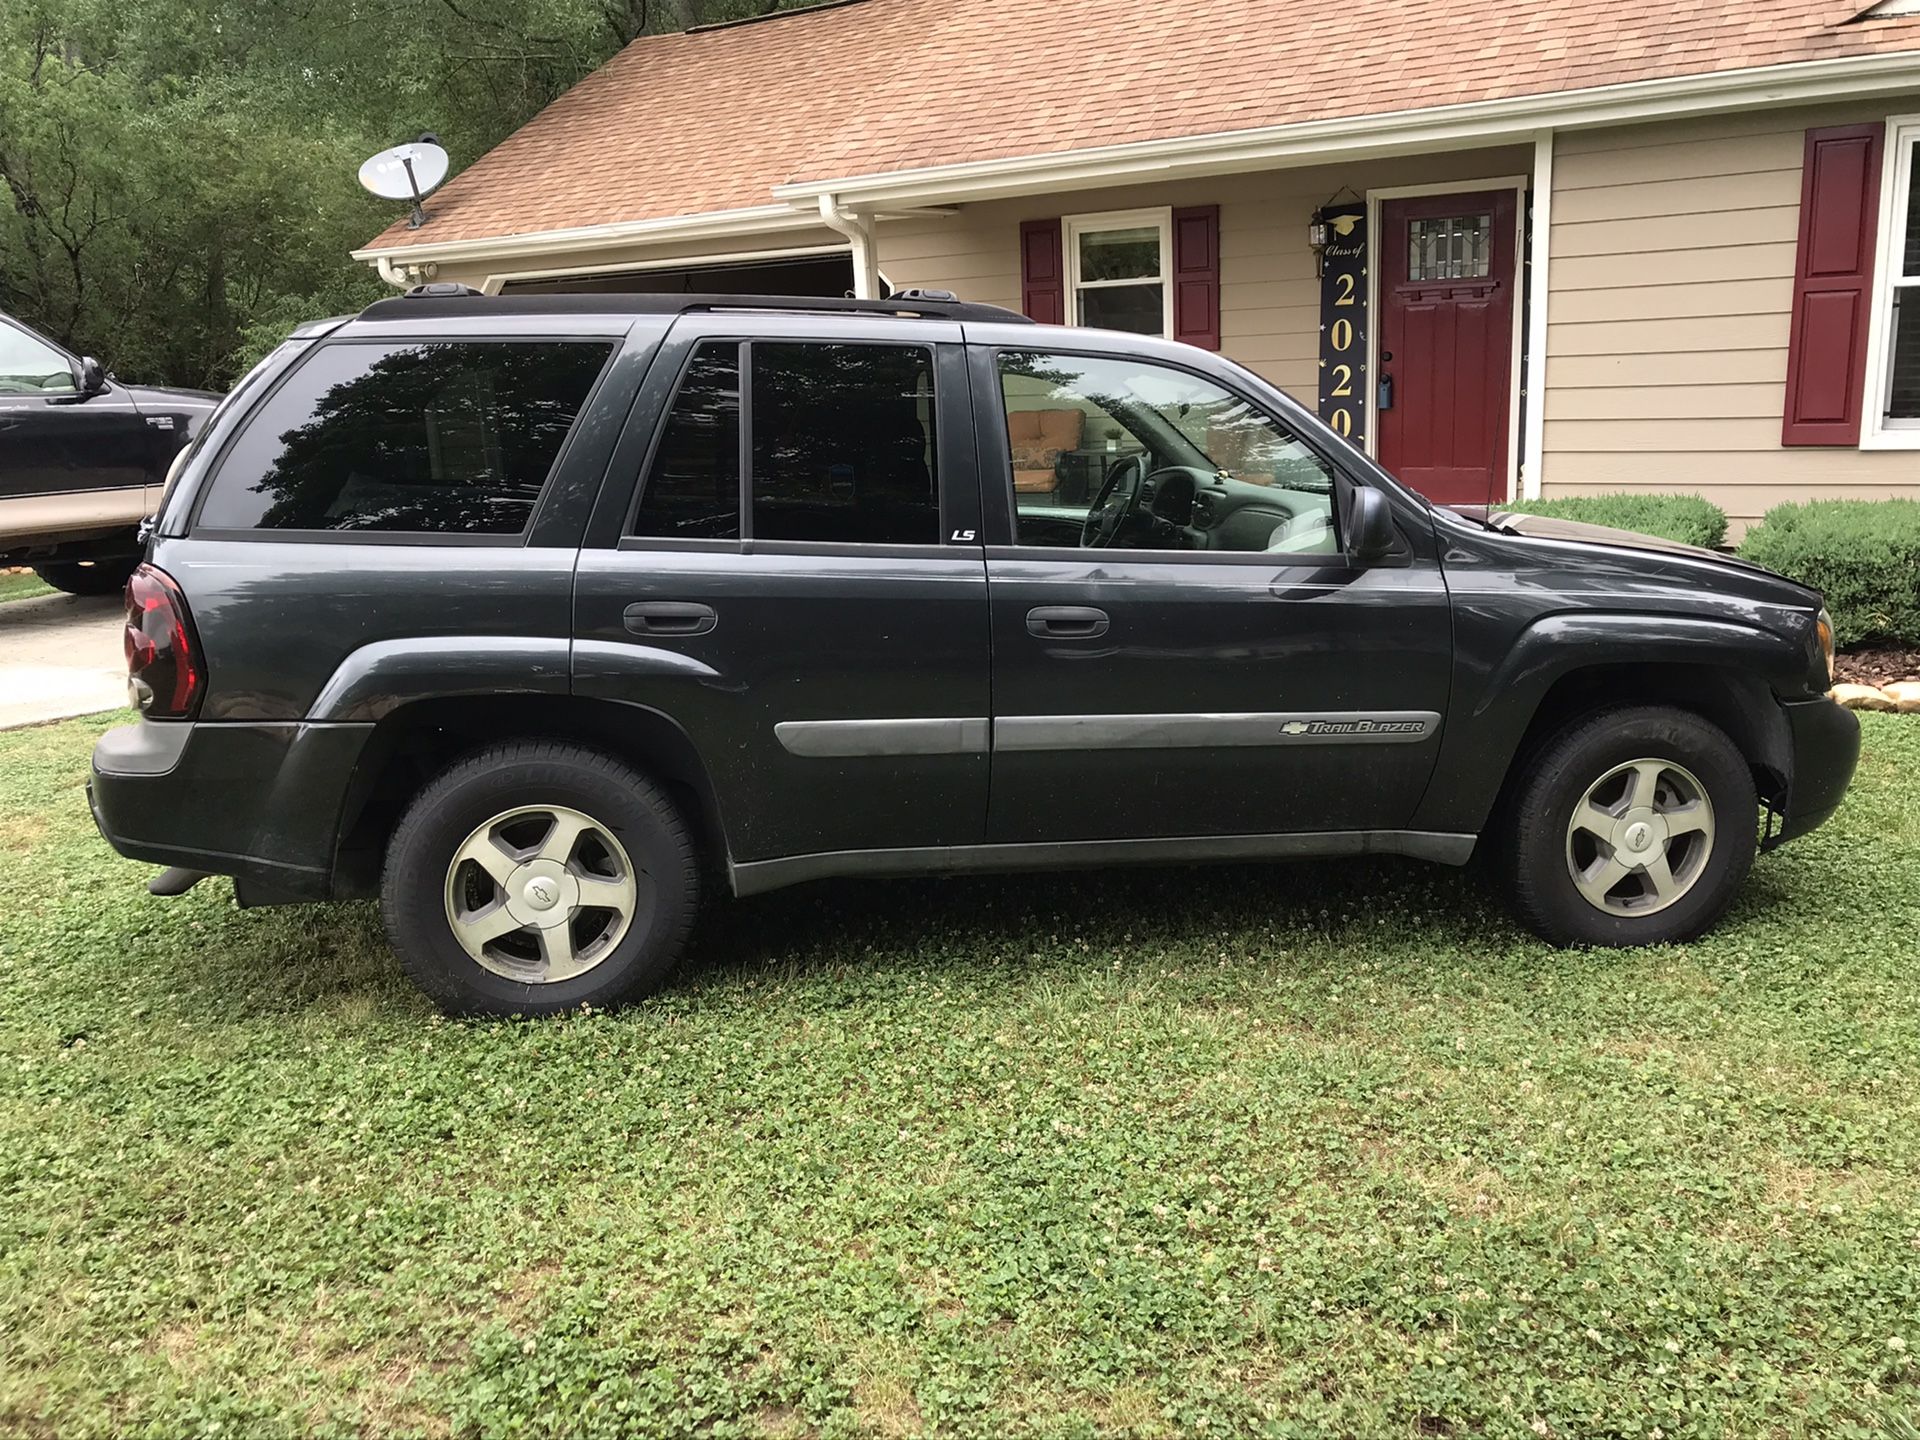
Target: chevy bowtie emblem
1294	727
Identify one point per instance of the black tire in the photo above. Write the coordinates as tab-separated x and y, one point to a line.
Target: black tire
414	886
1532	861
88	577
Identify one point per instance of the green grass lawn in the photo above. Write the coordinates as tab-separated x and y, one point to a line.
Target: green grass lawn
22	587
1310	1151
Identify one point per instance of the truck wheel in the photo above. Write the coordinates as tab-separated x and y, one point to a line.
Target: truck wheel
536	877
88	577
1634	827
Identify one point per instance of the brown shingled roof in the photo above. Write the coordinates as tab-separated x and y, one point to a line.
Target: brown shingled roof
712	119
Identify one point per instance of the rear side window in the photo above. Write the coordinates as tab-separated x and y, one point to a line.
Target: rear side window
693	489
842	446
451	437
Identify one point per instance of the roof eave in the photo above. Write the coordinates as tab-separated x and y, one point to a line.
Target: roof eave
1483	122
1400	132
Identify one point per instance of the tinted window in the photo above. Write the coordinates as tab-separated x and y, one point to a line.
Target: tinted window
843	444
693	488
444	438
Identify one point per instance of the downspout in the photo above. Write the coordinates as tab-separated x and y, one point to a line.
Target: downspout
858	228
1533	442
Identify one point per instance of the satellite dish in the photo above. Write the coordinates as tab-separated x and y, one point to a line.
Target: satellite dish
407	172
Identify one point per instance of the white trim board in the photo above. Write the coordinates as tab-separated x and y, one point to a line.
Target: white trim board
1072	227
1901	139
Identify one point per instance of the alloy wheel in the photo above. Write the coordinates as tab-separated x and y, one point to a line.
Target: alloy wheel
1640	838
541	894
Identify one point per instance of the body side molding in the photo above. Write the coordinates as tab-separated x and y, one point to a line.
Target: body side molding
757	876
847	738
1191	731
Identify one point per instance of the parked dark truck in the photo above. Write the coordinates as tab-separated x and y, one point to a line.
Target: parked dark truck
83	456
533	615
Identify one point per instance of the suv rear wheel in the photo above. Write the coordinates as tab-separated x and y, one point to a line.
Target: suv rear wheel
1634	827
536	877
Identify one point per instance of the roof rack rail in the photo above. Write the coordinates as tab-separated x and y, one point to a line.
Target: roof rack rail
451	299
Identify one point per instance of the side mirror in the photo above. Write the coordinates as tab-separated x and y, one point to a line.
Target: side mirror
91	379
1370	537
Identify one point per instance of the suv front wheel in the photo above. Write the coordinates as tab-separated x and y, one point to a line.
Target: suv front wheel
1633	826
536	877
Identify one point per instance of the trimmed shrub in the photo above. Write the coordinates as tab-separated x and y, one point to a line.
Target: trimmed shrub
1863	555
1685	518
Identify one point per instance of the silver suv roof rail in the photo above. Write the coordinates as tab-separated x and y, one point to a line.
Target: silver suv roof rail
447	298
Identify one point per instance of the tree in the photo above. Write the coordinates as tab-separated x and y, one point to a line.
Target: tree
179	174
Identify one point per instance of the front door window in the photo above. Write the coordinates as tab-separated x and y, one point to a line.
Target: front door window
29	366
1125	454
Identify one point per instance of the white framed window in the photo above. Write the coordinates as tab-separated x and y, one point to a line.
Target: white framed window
1893	347
1120	270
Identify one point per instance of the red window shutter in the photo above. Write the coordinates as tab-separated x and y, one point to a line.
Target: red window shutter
1196	276
1043	279
1833	286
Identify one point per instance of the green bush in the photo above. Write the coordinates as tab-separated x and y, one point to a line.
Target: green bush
1685	518
1863	555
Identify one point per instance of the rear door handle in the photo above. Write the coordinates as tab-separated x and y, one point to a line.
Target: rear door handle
670	617
1067	622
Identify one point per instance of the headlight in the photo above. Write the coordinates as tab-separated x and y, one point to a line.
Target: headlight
1823	630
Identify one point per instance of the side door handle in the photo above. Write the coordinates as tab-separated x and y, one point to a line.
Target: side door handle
670	617
1067	622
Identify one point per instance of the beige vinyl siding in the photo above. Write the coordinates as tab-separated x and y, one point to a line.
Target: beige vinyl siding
1269	283
1673	254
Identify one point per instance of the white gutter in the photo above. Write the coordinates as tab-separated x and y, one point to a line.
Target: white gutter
717	224
1515	119
858	228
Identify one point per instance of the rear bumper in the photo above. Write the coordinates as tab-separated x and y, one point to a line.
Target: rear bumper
259	802
1825	740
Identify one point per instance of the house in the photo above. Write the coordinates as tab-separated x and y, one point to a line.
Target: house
1515	250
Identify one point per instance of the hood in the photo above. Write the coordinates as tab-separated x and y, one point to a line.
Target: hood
1549	527
167	397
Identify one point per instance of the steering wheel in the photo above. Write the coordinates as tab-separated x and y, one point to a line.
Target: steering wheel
1115	504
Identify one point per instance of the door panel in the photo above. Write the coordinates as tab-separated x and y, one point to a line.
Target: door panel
1447	316
837	693
1195	676
1222	699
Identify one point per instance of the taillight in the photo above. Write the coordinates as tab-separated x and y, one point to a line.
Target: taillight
164	671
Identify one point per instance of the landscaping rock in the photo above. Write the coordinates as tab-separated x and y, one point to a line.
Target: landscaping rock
1863	697
1905	695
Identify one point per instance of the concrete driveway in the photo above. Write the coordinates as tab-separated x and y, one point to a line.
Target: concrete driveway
60	655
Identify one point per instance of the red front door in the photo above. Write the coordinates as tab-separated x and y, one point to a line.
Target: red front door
1446	343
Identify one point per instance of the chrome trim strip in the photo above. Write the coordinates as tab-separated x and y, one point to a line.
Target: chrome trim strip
756	876
840	739
1214	729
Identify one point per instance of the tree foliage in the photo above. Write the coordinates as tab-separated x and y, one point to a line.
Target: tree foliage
180	174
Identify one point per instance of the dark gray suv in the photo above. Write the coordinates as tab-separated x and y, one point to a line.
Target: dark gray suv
529	615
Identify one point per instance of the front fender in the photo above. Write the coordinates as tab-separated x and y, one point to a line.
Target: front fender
1734	670
1556	645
